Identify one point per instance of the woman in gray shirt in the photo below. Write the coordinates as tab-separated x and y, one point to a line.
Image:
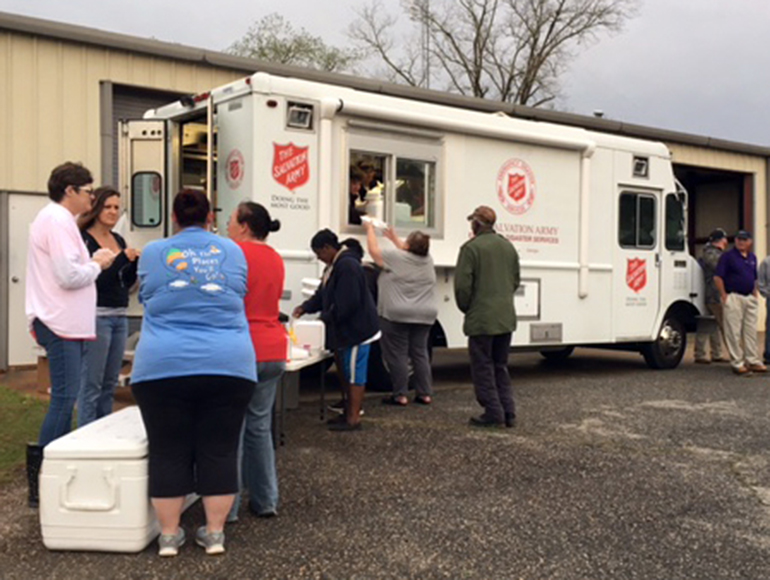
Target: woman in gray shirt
407	308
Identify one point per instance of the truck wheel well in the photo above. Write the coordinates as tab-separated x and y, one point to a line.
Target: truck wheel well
685	313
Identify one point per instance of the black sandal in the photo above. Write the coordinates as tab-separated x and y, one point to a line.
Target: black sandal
423	399
399	401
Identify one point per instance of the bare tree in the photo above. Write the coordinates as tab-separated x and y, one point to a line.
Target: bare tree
508	50
274	39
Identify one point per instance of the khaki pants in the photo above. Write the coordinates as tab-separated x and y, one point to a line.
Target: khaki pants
715	337
740	327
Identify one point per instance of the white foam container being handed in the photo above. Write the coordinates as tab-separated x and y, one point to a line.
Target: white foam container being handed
93	487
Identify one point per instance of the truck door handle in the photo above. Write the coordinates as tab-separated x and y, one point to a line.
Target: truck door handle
657	259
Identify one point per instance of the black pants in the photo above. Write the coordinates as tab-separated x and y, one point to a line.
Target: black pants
193	426
489	370
404	343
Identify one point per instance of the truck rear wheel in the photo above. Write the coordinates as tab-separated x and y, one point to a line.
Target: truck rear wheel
557	355
667	350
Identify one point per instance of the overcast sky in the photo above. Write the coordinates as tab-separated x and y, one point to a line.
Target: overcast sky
699	66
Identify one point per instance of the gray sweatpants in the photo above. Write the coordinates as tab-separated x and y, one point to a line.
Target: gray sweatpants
403	343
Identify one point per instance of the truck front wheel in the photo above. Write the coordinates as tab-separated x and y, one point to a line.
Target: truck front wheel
667	350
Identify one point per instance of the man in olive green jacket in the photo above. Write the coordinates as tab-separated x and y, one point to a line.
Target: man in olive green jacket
486	279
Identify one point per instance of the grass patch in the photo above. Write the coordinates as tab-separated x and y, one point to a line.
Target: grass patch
20	420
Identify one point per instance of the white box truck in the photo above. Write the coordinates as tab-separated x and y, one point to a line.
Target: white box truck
599	220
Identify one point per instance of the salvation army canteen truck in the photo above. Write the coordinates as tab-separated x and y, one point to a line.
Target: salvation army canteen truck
598	220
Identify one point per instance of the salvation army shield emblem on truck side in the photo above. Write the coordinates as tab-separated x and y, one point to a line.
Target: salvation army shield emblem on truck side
291	167
636	274
234	169
516	186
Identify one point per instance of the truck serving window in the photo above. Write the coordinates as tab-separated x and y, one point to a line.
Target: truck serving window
637	217
394	177
675	222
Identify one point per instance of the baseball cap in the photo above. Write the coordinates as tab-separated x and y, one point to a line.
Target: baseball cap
717	234
743	235
484	214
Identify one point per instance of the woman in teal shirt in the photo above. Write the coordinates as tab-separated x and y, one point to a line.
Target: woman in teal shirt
194	371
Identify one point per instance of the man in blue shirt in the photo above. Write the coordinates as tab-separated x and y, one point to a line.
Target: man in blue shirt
736	280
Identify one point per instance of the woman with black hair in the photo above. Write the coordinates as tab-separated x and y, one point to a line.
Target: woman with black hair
194	371
103	358
347	308
249	226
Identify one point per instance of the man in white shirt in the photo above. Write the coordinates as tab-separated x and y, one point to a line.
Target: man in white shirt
61	298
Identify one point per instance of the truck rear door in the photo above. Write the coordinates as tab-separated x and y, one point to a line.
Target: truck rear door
142	183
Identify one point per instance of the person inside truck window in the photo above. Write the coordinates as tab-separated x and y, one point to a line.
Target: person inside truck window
103	358
371	175
194	371
355	182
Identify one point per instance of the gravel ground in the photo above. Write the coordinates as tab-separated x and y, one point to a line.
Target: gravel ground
614	471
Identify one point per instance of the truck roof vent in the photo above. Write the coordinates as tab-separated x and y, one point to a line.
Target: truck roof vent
299	116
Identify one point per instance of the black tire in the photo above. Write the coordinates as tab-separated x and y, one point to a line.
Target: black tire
667	350
557	355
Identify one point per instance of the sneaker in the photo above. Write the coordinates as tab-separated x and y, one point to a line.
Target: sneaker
336	419
482	421
339	407
213	542
264	514
169	544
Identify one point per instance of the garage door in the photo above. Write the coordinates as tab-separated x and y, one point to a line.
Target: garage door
132	103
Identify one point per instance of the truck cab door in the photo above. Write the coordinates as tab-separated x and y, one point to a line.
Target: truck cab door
142	151
637	265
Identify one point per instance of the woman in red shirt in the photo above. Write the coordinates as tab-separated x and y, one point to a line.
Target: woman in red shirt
248	226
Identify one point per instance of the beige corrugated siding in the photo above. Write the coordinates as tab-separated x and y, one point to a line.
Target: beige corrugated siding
729	161
49	100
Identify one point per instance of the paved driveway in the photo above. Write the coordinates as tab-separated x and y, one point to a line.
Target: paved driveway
614	471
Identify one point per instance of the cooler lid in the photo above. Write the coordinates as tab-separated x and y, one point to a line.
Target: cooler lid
119	435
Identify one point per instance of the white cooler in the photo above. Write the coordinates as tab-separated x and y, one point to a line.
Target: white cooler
93	487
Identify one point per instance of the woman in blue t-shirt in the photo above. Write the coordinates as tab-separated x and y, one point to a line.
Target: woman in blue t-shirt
194	371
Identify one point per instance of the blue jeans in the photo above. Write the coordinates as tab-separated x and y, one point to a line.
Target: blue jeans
65	359
102	361
256	451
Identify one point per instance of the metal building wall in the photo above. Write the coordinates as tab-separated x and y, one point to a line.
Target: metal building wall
50	95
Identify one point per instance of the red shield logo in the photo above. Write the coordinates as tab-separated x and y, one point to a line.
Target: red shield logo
517	186
636	274
235	170
235	167
291	167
